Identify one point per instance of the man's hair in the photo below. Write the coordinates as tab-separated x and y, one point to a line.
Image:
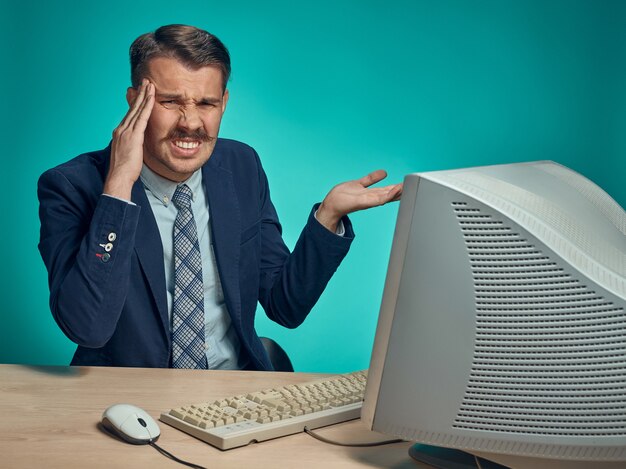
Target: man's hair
191	46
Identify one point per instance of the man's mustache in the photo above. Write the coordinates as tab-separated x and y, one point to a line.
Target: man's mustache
198	134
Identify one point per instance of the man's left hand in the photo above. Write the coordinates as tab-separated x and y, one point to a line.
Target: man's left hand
356	195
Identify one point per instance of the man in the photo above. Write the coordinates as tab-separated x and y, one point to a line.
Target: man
159	247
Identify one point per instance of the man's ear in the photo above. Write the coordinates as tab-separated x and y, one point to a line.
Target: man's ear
225	100
131	94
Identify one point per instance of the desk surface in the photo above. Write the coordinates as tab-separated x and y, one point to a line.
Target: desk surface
49	418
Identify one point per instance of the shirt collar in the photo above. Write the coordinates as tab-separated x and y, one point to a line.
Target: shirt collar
163	189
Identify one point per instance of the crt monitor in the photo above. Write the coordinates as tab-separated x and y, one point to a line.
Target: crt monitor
502	329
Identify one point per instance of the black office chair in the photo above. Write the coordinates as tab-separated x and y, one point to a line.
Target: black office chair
278	357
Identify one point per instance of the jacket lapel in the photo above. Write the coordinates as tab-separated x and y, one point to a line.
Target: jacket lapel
150	252
225	223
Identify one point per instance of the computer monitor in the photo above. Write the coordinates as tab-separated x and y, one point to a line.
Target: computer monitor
502	329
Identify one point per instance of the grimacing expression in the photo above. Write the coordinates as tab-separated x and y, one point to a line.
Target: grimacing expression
185	120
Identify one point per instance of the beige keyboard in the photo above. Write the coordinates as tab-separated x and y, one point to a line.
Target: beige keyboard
258	416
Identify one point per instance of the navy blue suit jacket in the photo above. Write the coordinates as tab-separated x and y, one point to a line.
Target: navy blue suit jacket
114	307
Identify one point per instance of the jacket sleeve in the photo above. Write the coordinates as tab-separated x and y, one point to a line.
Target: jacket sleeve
291	283
86	245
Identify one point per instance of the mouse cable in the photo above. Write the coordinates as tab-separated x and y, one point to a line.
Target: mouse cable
171	456
356	445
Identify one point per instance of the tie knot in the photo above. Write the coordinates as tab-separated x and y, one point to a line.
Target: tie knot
182	196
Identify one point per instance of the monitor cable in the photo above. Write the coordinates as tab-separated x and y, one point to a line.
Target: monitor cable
354	445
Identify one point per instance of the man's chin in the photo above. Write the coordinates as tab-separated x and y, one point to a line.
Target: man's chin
185	168
176	169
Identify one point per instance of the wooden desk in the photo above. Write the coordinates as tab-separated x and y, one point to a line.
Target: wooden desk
49	418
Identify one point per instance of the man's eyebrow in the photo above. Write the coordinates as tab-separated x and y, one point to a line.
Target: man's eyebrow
174	96
209	101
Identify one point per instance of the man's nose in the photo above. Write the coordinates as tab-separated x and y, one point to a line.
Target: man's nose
189	117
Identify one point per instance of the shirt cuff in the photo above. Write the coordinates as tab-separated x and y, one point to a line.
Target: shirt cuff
130	202
340	231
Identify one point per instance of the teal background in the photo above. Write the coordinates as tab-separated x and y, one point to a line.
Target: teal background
325	91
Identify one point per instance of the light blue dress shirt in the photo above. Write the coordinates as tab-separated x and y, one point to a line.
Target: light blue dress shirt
221	341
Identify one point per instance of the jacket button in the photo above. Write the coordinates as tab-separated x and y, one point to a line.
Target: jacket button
112	236
105	257
108	247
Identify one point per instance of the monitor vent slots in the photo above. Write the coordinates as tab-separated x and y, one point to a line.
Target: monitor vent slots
550	353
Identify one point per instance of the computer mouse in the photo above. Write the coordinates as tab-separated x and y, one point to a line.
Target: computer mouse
131	423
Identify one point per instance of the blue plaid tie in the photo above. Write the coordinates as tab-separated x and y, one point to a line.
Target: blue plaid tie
188	309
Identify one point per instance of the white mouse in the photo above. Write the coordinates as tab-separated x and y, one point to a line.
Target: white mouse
131	423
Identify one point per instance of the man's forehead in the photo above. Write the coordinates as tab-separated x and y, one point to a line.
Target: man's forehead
172	77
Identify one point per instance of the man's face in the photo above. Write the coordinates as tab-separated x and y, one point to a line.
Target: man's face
185	120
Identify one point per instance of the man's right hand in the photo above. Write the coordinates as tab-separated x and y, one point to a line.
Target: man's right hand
127	145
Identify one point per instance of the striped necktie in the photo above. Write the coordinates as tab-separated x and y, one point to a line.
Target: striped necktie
188	309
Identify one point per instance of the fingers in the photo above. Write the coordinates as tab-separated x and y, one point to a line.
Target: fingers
134	106
127	144
138	104
383	195
373	178
395	193
145	110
